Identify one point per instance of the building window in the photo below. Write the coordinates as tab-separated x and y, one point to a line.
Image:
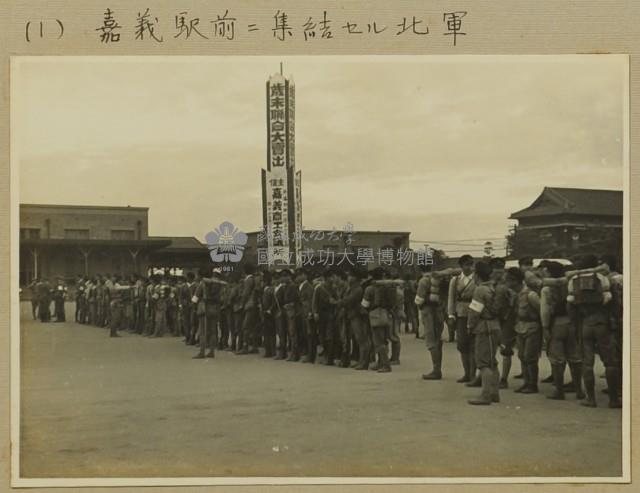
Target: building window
122	234
29	233
76	234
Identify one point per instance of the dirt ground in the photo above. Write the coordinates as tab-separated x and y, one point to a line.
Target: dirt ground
93	406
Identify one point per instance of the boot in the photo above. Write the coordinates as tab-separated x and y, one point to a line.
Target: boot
484	399
549	379
589	384
525	379
475	381
395	353
612	384
495	385
211	354
436	359
383	359
506	369
464	357
532	388
557	371
576	376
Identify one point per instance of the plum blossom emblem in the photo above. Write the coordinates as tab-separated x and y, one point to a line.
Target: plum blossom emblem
226	243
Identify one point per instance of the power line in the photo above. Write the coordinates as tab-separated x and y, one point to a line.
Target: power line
479	245
445	241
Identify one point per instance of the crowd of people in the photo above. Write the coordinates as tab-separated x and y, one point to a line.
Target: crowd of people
353	318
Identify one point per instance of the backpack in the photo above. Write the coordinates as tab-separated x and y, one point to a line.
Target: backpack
525	311
587	289
559	300
385	296
491	309
212	292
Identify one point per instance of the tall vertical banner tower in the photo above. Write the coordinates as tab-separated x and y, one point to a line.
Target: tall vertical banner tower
281	184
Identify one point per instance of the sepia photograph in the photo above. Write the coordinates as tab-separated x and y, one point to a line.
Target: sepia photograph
297	269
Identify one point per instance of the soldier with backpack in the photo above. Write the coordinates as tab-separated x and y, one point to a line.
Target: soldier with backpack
483	320
461	289
428	299
563	345
249	295
292	311
589	293
379	300
323	306
208	297
268	316
355	316
616	313
280	317
161	298
235	300
528	329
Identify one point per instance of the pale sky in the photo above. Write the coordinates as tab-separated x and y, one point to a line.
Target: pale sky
444	147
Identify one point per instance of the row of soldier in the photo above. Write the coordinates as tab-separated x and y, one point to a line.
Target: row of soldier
287	313
573	313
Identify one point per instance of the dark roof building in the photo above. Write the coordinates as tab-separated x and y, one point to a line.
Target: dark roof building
564	222
184	252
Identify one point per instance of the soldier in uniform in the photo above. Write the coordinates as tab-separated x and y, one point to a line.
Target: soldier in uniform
150	306
528	329
525	264
79	294
116	308
185	305
237	338
208	296
505	299
99	301
108	285
223	342
307	323
250	311
34	298
292	311
483	320
589	293
559	333
323	307
410	309
461	289
616	314
397	317
172	308
280	317
356	317
428	300
161	297
127	306
138	304
378	300
268	318
44	300
59	297
342	344
193	335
